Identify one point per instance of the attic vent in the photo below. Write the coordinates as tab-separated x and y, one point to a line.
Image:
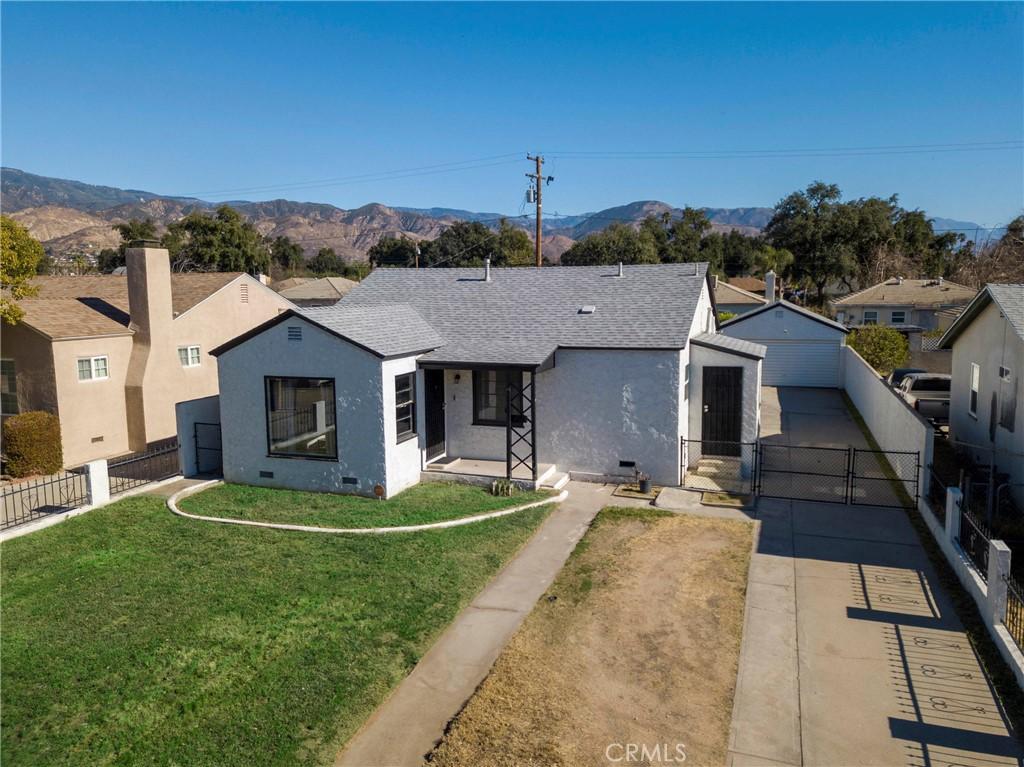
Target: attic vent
294	333
588	309
244	292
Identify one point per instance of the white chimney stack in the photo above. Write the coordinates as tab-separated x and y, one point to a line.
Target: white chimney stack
769	286
714	282
620	269
487	270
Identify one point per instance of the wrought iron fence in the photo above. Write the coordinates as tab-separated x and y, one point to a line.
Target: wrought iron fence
36	498
718	467
973	538
936	498
1014	620
159	462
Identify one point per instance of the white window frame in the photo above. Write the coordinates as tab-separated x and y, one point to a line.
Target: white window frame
873	319
192	358
94	364
974	391
903	317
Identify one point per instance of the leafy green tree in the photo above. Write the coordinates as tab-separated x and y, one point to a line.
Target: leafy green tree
618	242
513	246
393	251
464	243
881	347
287	254
685	236
326	263
771	259
20	254
222	242
108	259
135	229
817	229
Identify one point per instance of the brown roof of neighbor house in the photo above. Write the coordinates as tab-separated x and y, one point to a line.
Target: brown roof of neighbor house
290	282
727	293
750	284
97	304
902	292
324	288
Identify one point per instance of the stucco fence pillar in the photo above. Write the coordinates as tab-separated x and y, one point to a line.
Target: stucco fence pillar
97	482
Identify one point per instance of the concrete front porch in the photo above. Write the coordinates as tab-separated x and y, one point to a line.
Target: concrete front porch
477	471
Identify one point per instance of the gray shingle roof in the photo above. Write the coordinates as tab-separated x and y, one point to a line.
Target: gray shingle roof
781	304
387	329
1008	297
1011	302
730	344
523	314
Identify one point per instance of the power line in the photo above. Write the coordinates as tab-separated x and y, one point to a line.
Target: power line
715	154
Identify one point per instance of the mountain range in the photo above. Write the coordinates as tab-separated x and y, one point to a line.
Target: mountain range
72	216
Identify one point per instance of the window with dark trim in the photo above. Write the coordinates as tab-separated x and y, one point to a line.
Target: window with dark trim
405	406
490	396
301	417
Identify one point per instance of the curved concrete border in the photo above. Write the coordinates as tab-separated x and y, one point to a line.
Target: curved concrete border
172	504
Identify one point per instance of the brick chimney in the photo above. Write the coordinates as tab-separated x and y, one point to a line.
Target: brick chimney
152	312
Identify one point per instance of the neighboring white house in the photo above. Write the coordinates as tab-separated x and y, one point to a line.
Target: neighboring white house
802	347
593	371
986	412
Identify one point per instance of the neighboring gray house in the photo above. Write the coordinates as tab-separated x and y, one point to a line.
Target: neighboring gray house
911	306
986	412
527	372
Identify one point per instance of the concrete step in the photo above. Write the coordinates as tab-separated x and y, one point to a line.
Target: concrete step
556	481
543	476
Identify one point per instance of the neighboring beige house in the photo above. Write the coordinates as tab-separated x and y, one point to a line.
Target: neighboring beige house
750	284
733	299
110	355
324	291
907	305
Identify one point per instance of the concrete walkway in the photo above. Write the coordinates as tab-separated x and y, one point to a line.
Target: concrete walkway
852	653
407	726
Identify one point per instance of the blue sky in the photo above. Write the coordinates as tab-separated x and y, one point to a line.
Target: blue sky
261	101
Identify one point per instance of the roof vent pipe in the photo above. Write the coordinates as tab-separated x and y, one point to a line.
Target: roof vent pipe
487	270
899	280
620	269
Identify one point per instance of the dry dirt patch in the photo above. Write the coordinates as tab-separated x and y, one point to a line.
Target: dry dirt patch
637	641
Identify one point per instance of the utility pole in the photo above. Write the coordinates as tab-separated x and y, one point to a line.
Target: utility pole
538	182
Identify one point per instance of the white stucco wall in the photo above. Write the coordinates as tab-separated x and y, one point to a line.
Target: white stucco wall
598	407
404	460
462	438
990	343
702	357
360	412
894	424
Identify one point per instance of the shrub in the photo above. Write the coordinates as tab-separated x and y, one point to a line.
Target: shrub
32	444
881	347
723	316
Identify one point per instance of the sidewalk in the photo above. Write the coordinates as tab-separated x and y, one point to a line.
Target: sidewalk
407	726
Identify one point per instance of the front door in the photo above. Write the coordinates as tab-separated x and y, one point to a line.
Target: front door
433	382
723	410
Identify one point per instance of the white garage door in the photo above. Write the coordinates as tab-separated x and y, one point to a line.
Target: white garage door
800	363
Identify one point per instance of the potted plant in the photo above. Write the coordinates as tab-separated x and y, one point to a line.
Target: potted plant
643	481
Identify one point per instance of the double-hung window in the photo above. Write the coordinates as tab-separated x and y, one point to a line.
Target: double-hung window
972	408
301	417
189	356
870	317
898	317
405	406
8	388
92	368
490	397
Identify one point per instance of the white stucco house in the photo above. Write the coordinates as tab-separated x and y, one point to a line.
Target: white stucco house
528	373
986	409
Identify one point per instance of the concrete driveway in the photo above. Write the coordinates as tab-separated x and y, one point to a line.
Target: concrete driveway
852	652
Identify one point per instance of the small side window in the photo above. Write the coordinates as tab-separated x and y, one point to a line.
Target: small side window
972	407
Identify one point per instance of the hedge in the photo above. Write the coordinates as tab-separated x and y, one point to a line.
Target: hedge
32	444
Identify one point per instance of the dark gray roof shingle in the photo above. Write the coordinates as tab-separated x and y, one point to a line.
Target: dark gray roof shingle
729	344
387	329
1011	302
524	313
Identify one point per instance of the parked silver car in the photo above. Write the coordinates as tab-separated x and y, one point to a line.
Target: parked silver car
928	394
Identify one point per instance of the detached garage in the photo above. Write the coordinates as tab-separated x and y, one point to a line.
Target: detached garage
802	347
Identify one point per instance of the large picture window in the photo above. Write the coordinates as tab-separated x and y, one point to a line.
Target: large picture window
490	397
301	417
405	406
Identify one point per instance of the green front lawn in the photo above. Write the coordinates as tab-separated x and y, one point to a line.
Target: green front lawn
420	504
133	636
